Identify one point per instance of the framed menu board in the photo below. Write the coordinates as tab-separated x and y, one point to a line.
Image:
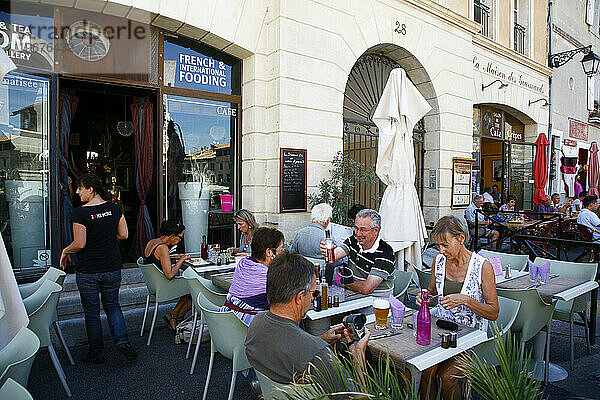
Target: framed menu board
461	182
292	180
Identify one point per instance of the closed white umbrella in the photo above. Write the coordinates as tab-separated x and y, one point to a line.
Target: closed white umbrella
402	224
13	316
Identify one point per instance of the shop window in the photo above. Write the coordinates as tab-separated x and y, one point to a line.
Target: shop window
200	134
24	129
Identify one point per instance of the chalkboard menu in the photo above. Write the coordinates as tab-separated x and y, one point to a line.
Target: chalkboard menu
292	182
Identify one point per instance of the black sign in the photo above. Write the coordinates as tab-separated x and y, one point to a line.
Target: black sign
292	182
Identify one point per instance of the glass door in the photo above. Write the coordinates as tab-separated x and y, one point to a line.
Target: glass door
24	171
521	174
199	168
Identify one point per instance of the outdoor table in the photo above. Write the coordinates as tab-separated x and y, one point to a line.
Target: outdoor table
404	350
556	288
352	301
201	266
222	280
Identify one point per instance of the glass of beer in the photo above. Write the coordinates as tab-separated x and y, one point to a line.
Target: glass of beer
381	306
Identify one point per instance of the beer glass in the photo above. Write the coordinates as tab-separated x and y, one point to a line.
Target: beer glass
381	306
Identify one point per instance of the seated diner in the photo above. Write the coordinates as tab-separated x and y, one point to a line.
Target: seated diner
546	207
588	216
466	284
277	347
157	253
486	227
370	258
505	209
248	292
246	224
578	202
557	206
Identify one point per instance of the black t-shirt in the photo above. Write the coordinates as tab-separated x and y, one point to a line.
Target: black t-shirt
101	251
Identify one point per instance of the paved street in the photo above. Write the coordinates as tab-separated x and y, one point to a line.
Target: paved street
161	371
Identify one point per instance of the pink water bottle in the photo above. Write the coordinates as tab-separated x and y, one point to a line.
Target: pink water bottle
424	320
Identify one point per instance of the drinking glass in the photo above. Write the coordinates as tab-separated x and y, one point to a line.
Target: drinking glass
381	307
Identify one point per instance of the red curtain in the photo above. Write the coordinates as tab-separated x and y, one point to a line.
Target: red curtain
540	169
142	117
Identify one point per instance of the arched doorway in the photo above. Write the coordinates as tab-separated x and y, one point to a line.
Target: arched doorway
364	87
503	150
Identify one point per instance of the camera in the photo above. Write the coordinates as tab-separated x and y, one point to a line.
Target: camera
355	323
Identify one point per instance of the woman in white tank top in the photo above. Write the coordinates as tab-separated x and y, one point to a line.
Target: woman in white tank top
466	284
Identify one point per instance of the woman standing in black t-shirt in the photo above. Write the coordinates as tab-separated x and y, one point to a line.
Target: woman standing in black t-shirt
97	226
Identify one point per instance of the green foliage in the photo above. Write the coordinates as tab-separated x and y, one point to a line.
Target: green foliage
382	382
337	191
511	380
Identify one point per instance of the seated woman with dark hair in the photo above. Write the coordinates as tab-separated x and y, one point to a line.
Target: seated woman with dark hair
157	253
511	201
248	292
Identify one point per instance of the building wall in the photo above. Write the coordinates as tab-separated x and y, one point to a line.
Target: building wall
569	82
296	59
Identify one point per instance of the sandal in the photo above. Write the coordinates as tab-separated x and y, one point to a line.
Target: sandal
168	318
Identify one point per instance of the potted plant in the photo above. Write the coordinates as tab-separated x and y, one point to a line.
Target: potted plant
339	190
194	195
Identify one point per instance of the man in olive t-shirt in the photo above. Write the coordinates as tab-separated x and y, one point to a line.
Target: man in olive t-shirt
277	347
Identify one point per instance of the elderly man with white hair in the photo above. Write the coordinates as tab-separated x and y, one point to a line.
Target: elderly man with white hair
308	239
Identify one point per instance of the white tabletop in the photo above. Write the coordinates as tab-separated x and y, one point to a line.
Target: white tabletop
565	295
576	291
513	274
437	354
346	306
216	268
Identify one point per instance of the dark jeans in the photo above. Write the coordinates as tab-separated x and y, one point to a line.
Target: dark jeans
91	287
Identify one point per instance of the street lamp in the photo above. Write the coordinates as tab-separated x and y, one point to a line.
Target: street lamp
590	63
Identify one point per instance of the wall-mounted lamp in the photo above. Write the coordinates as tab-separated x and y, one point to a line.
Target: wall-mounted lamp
545	104
502	85
590	61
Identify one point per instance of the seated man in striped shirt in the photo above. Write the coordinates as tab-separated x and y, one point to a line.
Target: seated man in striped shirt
370	257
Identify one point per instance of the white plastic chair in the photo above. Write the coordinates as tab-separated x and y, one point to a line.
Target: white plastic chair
227	336
53	275
162	289
41	309
14	391
197	285
566	310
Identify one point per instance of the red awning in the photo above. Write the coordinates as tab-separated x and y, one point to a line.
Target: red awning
540	169
593	170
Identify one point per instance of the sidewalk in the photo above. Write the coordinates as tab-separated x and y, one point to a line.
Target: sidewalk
162	372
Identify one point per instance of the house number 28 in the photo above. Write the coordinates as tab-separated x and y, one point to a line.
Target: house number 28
400	28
